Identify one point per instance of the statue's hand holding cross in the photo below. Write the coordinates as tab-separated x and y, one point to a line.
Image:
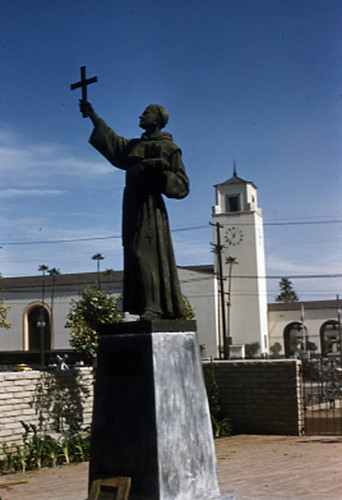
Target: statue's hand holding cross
85	106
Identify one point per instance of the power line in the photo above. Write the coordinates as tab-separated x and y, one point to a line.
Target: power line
71	240
300	223
289	276
282	223
176	230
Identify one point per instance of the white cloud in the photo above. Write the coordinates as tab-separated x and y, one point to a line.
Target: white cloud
14	193
26	163
276	265
70	257
190	252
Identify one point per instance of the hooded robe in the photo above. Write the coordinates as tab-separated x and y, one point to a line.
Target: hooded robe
150	275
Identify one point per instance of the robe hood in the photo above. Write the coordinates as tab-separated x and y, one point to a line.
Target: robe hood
136	148
157	136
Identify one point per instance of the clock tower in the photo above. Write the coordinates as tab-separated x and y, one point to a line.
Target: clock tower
238	227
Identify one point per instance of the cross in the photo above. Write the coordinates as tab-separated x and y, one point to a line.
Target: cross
83	85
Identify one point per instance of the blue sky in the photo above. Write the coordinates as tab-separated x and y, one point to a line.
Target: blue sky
258	81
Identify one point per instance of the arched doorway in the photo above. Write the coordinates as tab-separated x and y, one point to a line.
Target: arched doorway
293	338
37	322
330	337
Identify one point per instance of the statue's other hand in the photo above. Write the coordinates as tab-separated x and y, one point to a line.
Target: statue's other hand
86	108
155	163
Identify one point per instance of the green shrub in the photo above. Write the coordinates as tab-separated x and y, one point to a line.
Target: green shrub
42	450
221	425
93	308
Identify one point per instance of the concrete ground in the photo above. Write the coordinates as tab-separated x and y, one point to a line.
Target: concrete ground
252	467
273	467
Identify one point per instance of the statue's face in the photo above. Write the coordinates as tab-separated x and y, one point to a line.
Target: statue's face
150	119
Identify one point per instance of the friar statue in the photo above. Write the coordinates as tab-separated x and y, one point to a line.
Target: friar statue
153	168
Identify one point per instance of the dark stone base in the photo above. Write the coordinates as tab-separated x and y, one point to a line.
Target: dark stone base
151	418
149	326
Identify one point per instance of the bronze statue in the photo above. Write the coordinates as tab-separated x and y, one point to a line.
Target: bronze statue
153	168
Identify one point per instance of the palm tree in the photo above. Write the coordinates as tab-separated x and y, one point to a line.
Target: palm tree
53	272
217	250
98	257
43	268
41	323
110	273
230	261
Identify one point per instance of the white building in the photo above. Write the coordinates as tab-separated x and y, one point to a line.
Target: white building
237	221
297	324
24	296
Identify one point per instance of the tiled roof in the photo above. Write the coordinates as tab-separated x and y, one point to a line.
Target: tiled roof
234	180
78	278
294	306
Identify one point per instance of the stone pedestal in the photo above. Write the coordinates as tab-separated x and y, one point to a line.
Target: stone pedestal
151	418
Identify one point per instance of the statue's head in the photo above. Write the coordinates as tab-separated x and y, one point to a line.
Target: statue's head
155	117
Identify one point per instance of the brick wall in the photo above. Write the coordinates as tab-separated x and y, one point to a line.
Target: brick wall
260	396
52	401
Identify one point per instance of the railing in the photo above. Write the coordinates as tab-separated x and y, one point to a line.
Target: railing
322	391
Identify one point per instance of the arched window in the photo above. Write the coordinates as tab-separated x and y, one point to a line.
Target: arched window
330	337
293	338
37	325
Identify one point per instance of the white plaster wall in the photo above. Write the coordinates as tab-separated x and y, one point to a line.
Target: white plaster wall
60	311
248	300
313	320
248	311
12	339
261	281
198	287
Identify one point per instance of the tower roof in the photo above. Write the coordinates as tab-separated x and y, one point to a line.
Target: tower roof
235	180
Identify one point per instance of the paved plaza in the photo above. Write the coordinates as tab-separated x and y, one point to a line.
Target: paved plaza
252	467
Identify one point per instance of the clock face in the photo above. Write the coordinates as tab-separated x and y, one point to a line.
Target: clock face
233	236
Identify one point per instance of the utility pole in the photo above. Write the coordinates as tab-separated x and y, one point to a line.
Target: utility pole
218	250
303	327
338	310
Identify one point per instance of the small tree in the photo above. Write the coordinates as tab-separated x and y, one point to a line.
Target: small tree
252	349
94	307
275	350
287	293
3	314
311	346
189	311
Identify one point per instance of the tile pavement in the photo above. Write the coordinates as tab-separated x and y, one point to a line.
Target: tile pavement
251	467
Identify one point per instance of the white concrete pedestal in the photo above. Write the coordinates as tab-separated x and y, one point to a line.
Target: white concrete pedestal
151	417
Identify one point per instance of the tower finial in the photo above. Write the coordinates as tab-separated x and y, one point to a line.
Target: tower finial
234	171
